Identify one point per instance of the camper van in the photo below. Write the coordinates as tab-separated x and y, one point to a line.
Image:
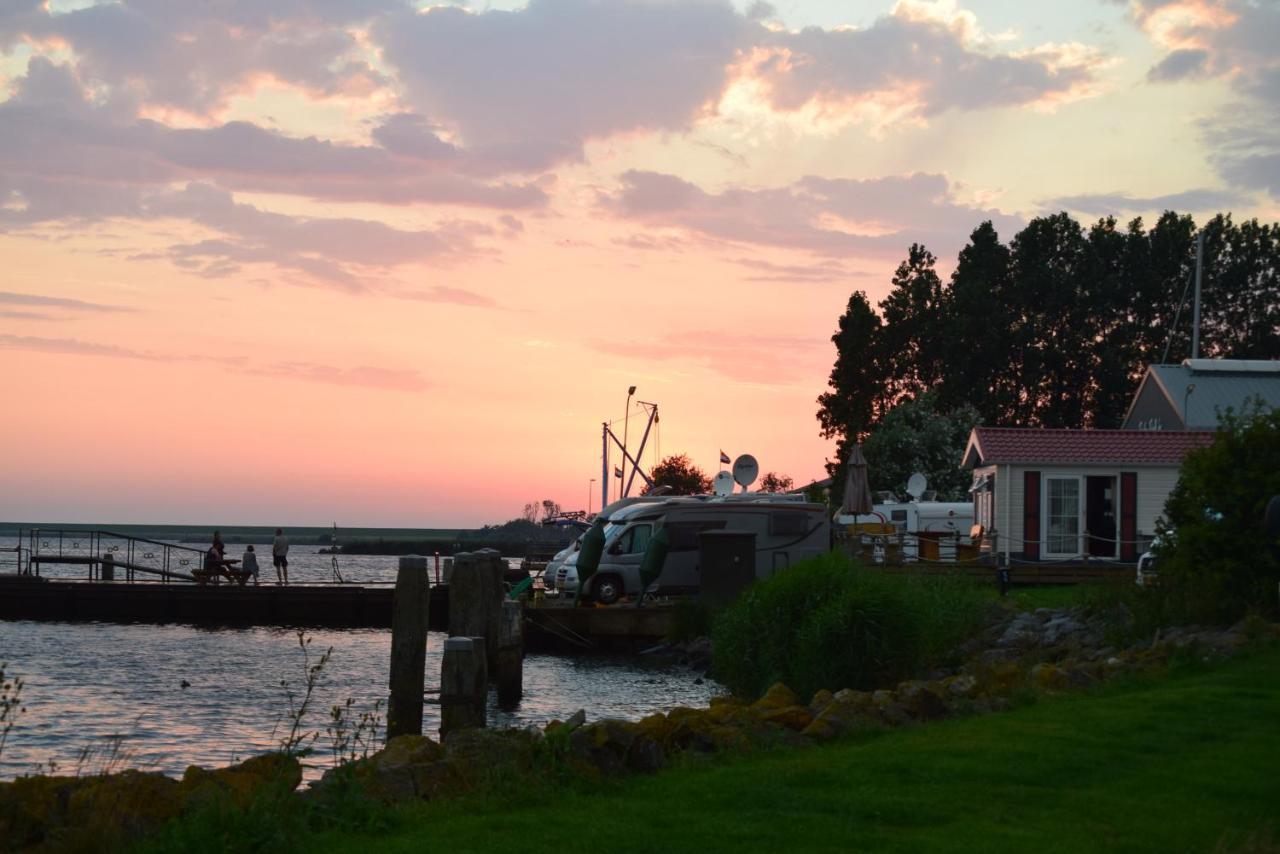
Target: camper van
787	528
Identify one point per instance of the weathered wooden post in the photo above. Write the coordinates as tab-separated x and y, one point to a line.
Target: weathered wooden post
510	675
107	567
408	647
463	685
475	600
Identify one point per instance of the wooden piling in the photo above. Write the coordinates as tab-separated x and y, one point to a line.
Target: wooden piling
510	675
475	600
463	685
107	566
408	648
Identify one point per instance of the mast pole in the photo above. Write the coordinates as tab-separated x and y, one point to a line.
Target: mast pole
604	465
1195	317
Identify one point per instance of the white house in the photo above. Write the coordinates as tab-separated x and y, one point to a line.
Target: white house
1191	395
1069	494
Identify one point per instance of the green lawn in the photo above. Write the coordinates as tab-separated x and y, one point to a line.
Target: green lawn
1187	762
1054	596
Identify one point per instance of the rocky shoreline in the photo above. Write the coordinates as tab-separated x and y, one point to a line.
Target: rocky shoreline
1044	652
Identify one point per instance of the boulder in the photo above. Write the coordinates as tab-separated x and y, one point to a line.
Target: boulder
859	700
1001	679
964	685
1049	677
1062	630
794	718
820	699
410	767
244	783
887	708
777	697
612	746
924	701
76	811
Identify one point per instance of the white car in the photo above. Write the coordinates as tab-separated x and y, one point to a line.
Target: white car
1147	574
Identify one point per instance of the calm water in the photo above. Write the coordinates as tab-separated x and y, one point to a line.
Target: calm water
89	682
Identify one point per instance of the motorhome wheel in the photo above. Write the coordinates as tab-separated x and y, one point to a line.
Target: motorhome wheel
608	589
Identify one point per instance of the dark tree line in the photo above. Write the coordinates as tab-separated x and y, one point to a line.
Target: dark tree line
1053	329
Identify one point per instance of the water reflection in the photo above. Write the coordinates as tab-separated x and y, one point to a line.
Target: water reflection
89	682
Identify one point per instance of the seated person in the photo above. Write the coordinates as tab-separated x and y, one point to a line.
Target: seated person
214	565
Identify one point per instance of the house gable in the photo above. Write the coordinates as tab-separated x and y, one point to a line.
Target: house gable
1152	408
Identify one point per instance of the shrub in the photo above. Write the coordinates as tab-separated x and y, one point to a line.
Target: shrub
1217	562
829	623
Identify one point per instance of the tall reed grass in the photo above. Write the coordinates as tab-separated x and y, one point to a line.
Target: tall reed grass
830	623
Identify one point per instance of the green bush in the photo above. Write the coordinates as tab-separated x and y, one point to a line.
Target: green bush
1217	562
829	623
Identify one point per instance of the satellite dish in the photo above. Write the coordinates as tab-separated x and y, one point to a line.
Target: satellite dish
916	485
745	470
722	483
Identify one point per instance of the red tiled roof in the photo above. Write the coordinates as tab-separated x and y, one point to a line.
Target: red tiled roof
1034	445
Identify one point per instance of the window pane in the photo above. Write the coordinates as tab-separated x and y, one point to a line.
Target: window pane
640	539
1062	516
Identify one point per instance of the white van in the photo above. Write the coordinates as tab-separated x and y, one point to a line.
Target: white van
787	531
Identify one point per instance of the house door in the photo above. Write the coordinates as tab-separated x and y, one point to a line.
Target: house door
1062	516
1100	516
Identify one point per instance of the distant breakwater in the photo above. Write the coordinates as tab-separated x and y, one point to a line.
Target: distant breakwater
513	546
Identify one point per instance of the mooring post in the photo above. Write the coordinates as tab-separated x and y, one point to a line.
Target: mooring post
510	675
408	647
107	567
462	685
475	600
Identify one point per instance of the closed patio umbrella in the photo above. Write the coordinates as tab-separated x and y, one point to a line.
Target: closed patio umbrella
857	487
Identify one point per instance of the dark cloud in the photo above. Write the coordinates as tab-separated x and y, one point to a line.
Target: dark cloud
759	359
924	65
391	379
194	56
833	217
50	128
1234	40
1103	204
12	298
525	89
1179	65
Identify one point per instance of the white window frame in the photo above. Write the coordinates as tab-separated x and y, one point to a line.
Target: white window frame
1044	514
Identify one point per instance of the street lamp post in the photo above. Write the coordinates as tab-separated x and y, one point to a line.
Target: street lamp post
626	424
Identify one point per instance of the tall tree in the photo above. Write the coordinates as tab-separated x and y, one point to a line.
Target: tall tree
857	384
1051	358
1241	294
912	338
978	319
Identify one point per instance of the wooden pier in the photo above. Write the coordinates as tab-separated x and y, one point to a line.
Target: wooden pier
27	597
558	628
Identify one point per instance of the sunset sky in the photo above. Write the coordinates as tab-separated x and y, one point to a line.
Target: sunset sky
383	262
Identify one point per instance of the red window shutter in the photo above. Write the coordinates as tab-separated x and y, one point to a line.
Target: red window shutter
1128	515
1031	515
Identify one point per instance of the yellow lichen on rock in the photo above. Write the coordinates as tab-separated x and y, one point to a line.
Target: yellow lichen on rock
777	697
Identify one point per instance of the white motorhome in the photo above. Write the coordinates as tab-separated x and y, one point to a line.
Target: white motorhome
787	528
915	517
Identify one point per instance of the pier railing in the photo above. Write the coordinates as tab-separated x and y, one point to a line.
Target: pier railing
128	555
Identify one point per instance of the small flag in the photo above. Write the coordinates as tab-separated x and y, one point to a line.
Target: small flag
724	458
617	472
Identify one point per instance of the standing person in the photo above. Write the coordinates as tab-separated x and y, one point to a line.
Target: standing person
249	564
280	556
